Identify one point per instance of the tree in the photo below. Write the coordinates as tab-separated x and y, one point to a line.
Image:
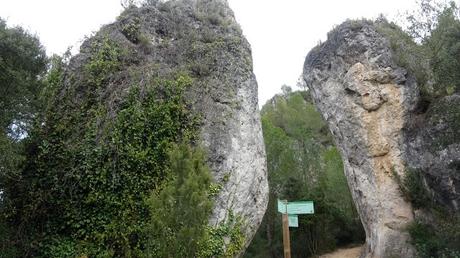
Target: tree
180	212
22	64
303	164
444	45
435	26
422	21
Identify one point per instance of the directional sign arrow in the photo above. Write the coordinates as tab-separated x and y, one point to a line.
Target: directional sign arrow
293	221
303	207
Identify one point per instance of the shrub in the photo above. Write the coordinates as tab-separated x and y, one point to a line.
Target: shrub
224	240
104	61
88	173
410	55
414	189
429	47
180	210
444	45
439	240
131	29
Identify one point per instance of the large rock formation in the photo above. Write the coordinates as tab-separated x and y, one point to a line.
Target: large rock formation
388	135
202	39
367	101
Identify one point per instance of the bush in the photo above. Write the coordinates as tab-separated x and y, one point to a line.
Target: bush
410	55
180	210
414	189
104	61
444	45
429	48
224	240
131	29
87	174
439	240
7	248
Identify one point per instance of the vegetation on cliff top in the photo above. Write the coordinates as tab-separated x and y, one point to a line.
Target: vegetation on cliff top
429	47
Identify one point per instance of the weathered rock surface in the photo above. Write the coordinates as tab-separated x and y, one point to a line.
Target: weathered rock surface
367	101
200	38
433	149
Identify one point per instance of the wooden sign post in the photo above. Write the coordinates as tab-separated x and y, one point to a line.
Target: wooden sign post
286	237
290	219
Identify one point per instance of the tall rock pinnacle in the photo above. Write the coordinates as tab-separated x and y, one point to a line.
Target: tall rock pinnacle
365	99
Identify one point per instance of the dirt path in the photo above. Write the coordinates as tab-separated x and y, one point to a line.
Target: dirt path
344	253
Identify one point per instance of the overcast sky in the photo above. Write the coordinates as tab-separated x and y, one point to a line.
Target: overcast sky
281	32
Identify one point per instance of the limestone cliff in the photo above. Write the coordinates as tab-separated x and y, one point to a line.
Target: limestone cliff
199	38
366	100
388	135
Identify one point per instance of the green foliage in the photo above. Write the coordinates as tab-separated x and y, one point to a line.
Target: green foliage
11	158
61	247
303	165
180	211
444	44
22	62
53	80
131	29
429	48
296	116
447	113
7	249
438	237
214	189
212	12
104	60
88	172
225	240
414	189
408	54
440	240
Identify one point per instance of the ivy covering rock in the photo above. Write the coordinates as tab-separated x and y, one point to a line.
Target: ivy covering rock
142	143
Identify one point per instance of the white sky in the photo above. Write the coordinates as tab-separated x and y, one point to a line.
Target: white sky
281	32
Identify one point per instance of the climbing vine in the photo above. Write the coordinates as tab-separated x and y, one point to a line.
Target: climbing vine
225	240
91	167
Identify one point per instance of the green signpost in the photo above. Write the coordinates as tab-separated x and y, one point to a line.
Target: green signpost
303	207
293	221
290	211
300	207
282	206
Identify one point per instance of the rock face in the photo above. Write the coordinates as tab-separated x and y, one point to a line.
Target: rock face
367	101
433	149
200	38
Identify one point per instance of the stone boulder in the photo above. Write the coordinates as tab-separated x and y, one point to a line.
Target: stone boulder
202	39
367	101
